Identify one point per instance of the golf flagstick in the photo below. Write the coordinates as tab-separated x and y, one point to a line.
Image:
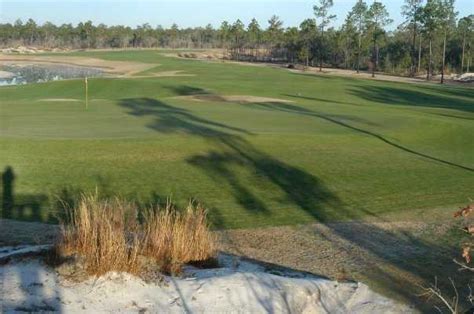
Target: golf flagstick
87	91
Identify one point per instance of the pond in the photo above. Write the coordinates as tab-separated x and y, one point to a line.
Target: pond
24	74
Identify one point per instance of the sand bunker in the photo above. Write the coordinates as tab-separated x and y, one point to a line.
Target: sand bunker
238	286
232	98
127	68
209	54
164	74
171	74
71	100
30	50
59	99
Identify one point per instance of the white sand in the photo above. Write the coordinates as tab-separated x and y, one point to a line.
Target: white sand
466	77
231	98
240	287
59	99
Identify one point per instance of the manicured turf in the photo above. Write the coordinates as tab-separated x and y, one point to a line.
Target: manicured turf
339	149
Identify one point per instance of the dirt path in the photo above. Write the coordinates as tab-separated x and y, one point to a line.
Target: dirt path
361	75
364	75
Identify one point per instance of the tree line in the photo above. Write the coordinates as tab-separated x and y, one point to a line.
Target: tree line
431	40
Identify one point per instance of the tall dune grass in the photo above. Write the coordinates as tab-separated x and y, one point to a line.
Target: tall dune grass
106	235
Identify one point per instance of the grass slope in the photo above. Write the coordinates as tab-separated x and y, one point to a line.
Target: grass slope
339	149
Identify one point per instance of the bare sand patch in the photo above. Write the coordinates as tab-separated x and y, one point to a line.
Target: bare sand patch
232	98
127	68
58	100
171	74
208	54
178	73
30	50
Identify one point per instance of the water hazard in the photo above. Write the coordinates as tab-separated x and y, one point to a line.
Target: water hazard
26	74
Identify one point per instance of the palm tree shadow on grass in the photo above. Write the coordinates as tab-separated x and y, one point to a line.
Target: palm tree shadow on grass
302	189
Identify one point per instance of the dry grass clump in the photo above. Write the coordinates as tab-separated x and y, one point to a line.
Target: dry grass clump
98	233
175	238
106	235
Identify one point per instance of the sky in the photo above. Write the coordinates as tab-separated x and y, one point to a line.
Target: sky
185	13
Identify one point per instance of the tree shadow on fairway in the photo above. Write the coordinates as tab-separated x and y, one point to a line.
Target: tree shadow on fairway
235	152
299	187
453	116
466	91
186	90
169	119
430	112
303	190
422	97
337	119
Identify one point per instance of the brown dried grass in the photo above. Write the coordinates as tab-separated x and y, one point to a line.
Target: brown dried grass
106	235
175	238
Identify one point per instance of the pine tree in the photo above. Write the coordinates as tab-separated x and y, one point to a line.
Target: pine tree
378	18
321	11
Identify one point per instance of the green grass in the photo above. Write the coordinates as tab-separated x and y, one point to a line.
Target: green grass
340	149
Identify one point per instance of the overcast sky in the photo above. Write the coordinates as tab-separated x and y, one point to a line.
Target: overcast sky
183	12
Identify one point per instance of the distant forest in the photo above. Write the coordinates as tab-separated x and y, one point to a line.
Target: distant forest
432	39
